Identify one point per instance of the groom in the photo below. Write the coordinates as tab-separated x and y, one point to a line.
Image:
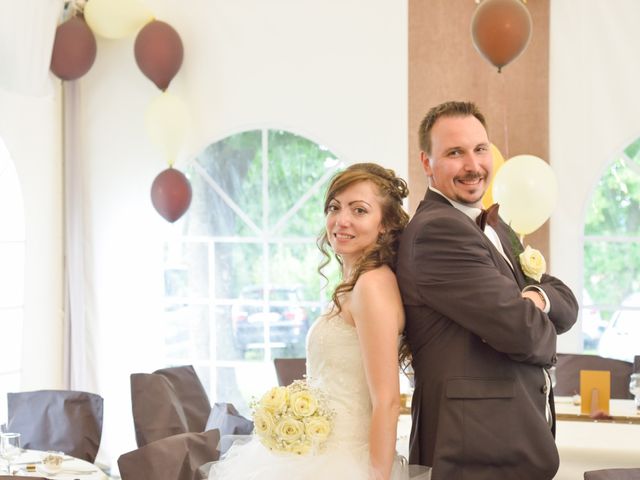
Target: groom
481	333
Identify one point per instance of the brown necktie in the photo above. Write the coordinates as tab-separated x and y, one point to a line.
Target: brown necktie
488	216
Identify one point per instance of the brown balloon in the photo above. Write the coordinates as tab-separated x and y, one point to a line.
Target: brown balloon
501	30
158	51
74	49
171	194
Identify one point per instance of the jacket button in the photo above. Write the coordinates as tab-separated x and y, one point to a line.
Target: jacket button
545	389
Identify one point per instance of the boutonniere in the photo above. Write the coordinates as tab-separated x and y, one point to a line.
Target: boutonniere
533	263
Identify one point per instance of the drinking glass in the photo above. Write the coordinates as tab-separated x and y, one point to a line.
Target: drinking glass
634	388
9	447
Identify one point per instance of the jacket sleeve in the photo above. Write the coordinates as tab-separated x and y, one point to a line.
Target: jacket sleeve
457	277
564	306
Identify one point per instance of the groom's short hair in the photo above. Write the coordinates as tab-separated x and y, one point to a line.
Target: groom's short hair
446	109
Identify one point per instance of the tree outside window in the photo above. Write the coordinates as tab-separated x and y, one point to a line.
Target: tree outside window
611	297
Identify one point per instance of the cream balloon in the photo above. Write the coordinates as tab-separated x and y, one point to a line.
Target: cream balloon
116	18
167	123
527	190
498	161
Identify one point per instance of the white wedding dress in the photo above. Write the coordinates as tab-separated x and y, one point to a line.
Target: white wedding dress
334	365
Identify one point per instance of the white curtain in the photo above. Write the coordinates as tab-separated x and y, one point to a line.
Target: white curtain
27	30
29	126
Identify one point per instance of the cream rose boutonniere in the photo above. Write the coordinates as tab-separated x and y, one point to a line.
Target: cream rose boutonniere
533	263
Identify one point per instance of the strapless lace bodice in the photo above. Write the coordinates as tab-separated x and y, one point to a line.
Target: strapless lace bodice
334	365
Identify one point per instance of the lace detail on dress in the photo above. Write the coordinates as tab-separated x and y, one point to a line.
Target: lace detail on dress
334	364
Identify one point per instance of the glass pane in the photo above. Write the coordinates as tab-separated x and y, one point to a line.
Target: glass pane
236	266
594	323
240	383
11	274
295	167
235	165
621	337
615	205
8	383
186	269
298	264
186	333
230	339
611	271
11	328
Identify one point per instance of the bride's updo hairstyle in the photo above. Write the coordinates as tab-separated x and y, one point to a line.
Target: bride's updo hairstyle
391	191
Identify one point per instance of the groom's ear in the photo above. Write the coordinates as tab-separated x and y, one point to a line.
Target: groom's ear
426	163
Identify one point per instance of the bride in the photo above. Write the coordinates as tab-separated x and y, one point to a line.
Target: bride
352	349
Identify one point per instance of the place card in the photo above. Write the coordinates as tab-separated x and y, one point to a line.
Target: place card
595	391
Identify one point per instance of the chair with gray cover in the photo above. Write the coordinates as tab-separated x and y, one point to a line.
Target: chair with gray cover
613	474
168	402
289	369
568	373
178	457
61	420
227	420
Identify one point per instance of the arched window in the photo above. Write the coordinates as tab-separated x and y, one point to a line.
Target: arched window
241	280
12	247
611	297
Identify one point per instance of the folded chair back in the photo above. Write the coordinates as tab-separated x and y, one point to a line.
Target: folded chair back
59	420
168	402
613	474
289	369
173	458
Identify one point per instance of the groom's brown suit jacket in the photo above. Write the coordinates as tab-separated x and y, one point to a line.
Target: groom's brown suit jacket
478	348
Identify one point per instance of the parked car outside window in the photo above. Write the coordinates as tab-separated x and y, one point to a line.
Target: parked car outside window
276	312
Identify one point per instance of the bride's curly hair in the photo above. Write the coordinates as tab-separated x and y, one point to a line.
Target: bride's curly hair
391	190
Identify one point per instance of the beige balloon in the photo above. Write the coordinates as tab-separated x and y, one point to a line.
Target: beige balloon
167	124
527	190
116	18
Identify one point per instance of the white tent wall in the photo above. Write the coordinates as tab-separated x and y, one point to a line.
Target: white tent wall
594	104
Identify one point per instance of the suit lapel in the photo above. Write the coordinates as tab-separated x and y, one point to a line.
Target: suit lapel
505	239
501	229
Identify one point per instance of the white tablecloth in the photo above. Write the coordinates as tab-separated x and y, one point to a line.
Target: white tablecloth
72	468
591	445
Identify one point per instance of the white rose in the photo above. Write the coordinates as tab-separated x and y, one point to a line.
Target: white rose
289	429
533	263
263	422
275	400
303	403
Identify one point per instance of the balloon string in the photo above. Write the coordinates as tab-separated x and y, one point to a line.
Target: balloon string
505	123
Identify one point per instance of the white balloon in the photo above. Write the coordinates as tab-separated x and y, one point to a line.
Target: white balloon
116	18
167	123
527	190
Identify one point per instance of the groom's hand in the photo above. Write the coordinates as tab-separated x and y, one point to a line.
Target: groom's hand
536	297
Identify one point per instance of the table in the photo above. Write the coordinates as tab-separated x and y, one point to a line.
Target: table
588	444
72	468
583	443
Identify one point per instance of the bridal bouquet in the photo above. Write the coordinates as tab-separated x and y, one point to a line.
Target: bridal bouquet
293	419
